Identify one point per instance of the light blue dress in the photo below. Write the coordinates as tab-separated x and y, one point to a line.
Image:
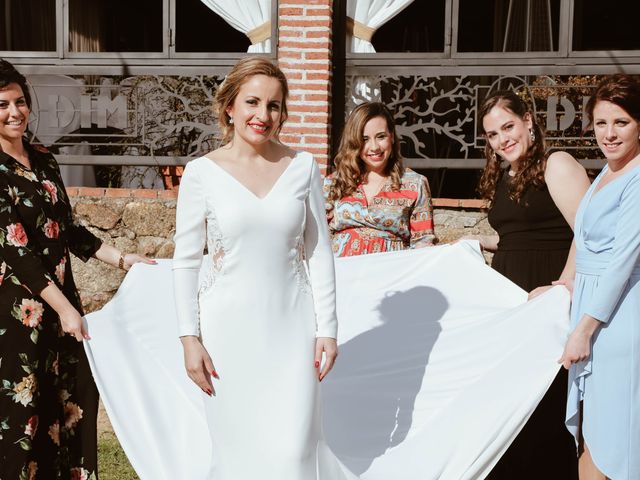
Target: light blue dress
607	287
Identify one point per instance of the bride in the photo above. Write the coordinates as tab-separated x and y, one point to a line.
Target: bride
255	332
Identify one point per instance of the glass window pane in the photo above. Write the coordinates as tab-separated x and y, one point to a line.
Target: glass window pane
508	25
417	28
28	25
115	26
199	29
604	26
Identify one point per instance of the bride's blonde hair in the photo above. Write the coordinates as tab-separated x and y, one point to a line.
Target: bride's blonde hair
239	74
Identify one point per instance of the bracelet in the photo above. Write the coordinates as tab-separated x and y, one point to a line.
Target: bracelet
121	262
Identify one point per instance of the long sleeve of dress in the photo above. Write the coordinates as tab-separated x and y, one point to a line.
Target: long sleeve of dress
328	205
625	256
189	241
14	249
319	257
421	221
82	243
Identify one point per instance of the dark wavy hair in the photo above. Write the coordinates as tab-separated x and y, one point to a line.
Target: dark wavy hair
530	168
350	168
9	75
620	89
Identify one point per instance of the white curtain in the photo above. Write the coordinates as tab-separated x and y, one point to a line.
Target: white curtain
246	16
371	14
364	17
442	360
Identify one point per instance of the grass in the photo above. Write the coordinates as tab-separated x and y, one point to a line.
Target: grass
112	462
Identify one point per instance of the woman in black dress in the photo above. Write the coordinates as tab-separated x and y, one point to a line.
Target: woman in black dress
48	400
533	203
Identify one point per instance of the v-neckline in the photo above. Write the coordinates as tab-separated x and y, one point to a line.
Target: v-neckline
247	189
596	191
364	193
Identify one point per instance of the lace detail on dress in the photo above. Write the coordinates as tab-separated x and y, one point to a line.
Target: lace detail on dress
217	252
302	278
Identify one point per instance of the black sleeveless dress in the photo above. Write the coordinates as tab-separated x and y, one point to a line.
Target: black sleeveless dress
534	243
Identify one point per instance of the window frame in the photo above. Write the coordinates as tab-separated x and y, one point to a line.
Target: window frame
450	62
167	58
565	55
32	54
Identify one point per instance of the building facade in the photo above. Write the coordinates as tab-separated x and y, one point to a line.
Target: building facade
126	88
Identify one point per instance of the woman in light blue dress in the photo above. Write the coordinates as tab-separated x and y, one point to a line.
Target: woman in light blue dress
603	351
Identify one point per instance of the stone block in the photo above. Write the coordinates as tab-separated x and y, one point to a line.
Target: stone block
93	302
149	245
122	232
150	218
97	215
96	277
166	250
441	219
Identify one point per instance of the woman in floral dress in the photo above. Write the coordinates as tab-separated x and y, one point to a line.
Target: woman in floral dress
48	400
373	203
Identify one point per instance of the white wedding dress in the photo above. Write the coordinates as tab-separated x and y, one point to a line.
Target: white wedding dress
270	291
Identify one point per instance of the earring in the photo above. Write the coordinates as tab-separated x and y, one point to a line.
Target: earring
230	120
492	156
532	135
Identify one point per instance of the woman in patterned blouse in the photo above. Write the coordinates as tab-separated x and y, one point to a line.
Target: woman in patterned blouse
373	203
48	400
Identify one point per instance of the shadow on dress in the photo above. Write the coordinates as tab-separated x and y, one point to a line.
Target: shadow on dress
369	396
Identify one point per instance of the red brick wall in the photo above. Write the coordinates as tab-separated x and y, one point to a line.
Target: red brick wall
304	54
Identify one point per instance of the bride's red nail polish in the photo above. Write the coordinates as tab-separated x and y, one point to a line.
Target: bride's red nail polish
214	374
317	364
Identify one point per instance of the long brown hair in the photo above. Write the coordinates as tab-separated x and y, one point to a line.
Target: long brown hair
530	168
350	169
239	74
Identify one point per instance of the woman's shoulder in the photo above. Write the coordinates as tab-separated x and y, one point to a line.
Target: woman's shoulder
561	167
299	155
42	155
632	183
195	164
411	177
305	162
561	163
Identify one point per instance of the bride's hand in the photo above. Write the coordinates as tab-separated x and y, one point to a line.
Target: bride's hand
330	348
198	364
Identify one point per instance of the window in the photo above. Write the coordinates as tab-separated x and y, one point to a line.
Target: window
145	30
434	61
195	27
115	26
418	28
605	26
28	26
508	25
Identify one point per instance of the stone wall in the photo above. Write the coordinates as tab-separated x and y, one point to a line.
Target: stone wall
131	223
143	221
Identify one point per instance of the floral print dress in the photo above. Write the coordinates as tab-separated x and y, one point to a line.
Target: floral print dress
395	220
48	400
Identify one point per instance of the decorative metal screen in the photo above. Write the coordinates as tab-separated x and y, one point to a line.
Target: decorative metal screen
141	116
437	116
